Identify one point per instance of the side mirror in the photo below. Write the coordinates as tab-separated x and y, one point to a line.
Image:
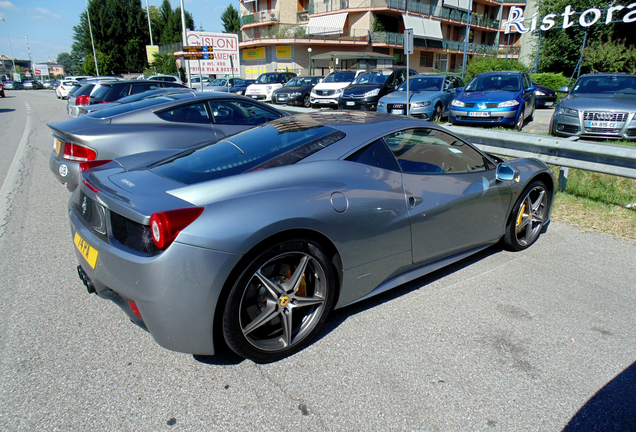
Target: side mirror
506	172
564	89
530	89
458	89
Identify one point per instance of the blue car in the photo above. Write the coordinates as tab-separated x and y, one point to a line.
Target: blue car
495	99
241	85
429	99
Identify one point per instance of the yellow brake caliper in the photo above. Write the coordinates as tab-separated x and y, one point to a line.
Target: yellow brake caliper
302	287
521	211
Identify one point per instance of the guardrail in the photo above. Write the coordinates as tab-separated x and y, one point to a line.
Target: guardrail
568	153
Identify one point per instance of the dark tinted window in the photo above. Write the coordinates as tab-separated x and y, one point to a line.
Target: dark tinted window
194	113
430	151
278	143
140	88
377	155
125	108
101	92
240	113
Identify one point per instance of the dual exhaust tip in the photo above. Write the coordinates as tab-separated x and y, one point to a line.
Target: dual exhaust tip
86	280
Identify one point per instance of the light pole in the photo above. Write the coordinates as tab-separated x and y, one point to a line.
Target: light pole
10	49
90	28
309	51
470	8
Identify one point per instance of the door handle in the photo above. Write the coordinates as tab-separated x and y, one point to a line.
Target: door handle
413	201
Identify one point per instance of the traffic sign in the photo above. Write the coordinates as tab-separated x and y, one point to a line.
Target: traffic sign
198	56
196	48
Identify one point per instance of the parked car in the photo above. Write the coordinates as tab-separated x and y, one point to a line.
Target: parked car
2	90
85	109
597	106
13	85
78	98
62	90
241	85
430	96
221	84
326	93
296	91
366	89
167	78
544	97
179	122
47	84
32	85
109	91
192	249
198	82
266	83
495	99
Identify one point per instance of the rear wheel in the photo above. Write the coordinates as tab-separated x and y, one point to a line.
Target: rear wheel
279	302
528	217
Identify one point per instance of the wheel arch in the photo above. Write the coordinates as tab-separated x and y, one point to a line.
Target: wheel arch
547	179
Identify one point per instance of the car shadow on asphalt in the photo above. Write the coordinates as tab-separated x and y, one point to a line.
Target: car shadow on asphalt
612	408
4	110
225	357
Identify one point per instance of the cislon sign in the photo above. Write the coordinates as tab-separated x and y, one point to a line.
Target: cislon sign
223	45
586	19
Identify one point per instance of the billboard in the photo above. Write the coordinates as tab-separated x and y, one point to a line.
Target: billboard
223	45
40	70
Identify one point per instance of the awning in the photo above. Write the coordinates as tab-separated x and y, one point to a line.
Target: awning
327	24
451	3
459	4
423	27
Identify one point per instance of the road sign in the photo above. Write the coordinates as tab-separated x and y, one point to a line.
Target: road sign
408	41
198	56
196	48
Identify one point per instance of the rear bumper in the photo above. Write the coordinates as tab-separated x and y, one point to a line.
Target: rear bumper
66	172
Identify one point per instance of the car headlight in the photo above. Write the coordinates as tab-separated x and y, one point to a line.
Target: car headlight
539	93
239	92
380	104
295	94
421	104
458	103
338	92
372	93
568	112
509	103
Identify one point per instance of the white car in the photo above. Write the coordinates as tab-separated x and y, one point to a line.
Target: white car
62	90
326	93
266	83
198	82
163	77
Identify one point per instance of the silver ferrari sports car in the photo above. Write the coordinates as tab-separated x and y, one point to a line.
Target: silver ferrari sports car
256	238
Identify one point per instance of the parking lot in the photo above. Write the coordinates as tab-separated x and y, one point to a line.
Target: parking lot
539	340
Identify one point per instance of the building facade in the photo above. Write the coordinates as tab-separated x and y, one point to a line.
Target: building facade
291	35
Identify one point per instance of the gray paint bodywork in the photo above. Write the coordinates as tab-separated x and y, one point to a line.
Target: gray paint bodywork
360	212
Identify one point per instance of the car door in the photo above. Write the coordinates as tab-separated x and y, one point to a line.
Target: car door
233	116
528	96
448	93
454	201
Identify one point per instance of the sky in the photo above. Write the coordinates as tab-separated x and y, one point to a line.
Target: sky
48	24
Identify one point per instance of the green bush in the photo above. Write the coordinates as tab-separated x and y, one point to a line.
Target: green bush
550	80
478	65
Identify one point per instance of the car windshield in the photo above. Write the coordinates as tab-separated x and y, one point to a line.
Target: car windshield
267	78
378	77
278	143
504	82
423	84
612	84
298	82
339	77
219	82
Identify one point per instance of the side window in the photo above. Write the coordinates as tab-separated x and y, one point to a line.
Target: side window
458	82
376	155
140	88
526	81
195	113
240	113
448	83
430	151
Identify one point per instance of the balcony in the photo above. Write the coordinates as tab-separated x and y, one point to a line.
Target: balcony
295	31
262	17
512	50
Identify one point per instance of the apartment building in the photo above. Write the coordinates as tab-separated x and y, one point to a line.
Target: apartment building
299	35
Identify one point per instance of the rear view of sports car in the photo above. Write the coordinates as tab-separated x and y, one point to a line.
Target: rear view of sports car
253	240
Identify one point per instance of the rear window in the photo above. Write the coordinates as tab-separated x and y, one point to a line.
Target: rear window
278	143
128	107
101	91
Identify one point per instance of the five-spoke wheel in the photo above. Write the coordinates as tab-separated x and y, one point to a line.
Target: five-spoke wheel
528	216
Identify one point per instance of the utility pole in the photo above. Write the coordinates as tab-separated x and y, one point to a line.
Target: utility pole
90	28
185	43
30	58
10	49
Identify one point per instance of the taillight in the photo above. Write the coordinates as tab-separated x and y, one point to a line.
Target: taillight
76	152
165	226
85	166
82	100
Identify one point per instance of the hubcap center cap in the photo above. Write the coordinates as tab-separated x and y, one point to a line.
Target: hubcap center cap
283	301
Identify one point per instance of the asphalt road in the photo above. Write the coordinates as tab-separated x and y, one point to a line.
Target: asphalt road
527	341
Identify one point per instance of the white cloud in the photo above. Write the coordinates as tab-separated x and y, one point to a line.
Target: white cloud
7	5
47	13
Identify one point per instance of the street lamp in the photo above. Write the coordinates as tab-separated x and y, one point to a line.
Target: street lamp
309	51
10	49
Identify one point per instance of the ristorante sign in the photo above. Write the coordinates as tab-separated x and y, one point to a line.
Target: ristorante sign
588	18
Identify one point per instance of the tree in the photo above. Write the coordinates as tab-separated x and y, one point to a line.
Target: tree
167	24
561	48
610	56
231	20
72	65
165	63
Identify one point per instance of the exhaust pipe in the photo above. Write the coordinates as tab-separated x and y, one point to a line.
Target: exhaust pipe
86	280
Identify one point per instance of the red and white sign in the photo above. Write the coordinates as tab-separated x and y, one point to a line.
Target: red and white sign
223	45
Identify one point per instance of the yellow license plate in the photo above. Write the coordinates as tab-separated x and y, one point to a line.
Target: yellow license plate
87	251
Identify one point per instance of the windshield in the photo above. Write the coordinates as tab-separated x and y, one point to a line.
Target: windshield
378	77
279	143
339	77
298	82
613	84
267	78
504	82
219	82
423	84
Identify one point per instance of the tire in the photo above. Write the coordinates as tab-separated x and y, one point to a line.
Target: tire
279	302
520	121
524	227
532	114
307	102
437	114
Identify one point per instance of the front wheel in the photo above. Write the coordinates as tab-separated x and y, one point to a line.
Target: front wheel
520	121
528	217
279	302
306	102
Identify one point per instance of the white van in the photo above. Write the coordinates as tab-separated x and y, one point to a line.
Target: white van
326	93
